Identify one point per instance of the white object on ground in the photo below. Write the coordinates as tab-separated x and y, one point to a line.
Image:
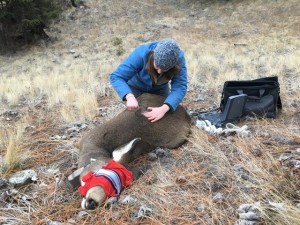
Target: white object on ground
229	128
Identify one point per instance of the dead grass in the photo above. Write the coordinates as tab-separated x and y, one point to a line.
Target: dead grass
12	138
53	85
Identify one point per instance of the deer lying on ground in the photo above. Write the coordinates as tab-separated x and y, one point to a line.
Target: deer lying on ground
124	138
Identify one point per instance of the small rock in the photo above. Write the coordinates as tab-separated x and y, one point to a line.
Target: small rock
50	222
22	177
61	183
230	138
256	151
297	164
199	207
11	192
218	197
71	221
285	156
199	99
249	214
128	200
3	183
72	130
240	171
30	127
81	214
121	106
144	211
103	111
181	179
10	113
55	137
43	184
265	134
152	156
290	161
34	178
77	56
277	206
284	140
160	152
246	222
112	200
52	171
3	196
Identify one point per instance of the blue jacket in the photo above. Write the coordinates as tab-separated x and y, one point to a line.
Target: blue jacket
133	71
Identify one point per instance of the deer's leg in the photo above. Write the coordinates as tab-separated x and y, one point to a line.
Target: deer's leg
140	148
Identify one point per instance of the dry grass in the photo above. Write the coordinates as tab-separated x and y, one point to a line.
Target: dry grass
53	85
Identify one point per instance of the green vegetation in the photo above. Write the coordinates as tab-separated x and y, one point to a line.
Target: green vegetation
23	21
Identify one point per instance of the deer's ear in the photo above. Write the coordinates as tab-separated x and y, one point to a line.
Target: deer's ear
74	178
122	150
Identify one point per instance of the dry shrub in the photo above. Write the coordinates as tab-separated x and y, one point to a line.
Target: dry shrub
12	139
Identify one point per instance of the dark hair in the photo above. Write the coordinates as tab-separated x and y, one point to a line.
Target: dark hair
173	72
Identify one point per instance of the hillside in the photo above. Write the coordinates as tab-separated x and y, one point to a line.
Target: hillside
55	91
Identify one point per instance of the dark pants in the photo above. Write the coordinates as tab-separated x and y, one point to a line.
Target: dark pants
163	92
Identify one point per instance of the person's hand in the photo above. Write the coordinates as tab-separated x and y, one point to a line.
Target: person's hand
156	113
131	103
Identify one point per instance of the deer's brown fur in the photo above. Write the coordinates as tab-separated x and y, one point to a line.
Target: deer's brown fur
171	131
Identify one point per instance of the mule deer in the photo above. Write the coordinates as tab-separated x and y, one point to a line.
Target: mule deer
131	134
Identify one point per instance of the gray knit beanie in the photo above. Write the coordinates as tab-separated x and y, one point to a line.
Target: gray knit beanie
166	54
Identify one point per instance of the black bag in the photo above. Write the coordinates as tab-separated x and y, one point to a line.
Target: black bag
263	96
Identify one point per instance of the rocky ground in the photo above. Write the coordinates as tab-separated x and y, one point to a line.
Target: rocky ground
212	179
